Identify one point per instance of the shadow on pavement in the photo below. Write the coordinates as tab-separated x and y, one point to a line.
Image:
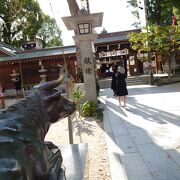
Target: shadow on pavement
153	114
146	139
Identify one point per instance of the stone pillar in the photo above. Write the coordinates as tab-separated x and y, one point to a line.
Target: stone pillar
88	64
83	26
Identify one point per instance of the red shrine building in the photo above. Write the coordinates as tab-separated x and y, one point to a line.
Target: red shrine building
114	48
30	64
31	61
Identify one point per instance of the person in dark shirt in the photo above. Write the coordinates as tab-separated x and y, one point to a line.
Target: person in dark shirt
120	86
17	84
2	99
114	78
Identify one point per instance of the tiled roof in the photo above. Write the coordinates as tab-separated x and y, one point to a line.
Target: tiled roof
10	47
114	36
16	53
40	53
111	39
8	50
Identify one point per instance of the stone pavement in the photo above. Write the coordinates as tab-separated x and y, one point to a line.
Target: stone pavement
144	139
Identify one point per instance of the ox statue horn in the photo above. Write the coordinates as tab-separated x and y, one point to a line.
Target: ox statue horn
51	84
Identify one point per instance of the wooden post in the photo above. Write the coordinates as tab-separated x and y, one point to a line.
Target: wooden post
22	80
69	95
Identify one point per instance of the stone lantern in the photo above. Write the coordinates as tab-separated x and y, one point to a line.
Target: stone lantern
83	26
14	75
42	72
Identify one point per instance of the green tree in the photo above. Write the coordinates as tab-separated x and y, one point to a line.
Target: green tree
19	18
176	10
166	43
50	33
135	12
142	42
159	12
161	40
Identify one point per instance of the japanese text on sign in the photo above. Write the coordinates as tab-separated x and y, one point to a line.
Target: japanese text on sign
88	70
87	60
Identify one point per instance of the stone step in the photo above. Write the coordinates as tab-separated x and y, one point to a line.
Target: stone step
139	80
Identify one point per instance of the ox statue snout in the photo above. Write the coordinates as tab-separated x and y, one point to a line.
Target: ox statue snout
57	106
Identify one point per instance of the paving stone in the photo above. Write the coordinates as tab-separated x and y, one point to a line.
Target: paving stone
110	140
115	120
174	154
167	175
129	125
116	167
126	144
140	136
119	130
113	114
114	159
156	158
110	104
107	125
135	167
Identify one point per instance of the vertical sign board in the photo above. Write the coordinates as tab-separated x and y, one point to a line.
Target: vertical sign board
88	67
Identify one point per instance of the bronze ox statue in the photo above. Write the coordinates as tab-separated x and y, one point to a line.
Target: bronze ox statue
23	153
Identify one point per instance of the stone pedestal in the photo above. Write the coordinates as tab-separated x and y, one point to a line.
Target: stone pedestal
75	162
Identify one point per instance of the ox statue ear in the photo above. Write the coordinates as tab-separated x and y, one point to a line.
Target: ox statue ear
51	84
55	96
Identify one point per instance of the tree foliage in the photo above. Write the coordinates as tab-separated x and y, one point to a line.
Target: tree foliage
161	40
159	12
19	18
160	37
135	11
176	10
50	33
23	20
